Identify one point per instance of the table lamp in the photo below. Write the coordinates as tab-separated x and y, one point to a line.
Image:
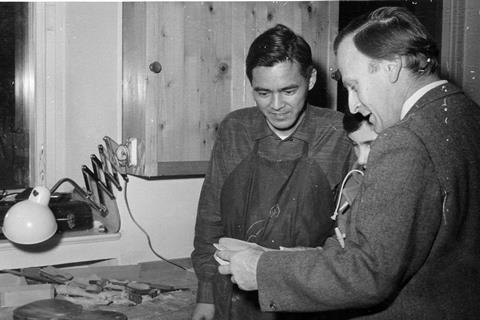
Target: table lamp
30	221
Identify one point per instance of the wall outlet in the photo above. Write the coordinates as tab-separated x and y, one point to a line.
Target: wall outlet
132	152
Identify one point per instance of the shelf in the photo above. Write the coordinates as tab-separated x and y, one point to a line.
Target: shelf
76	246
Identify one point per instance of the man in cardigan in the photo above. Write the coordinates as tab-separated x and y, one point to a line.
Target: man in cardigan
413	242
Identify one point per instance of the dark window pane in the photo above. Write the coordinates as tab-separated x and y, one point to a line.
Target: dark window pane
14	147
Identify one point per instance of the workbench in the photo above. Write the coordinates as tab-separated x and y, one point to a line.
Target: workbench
173	305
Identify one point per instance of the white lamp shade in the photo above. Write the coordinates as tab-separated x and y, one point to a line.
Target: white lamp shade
30	221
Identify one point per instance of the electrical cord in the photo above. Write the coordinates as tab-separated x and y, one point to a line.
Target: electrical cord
338	232
143	230
335	213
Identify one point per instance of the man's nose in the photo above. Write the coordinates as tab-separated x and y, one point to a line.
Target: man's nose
353	102
277	102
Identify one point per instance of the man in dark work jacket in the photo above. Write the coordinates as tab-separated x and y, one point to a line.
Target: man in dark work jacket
272	172
412	249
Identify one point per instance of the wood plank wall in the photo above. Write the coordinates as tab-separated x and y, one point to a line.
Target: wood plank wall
202	48
460	46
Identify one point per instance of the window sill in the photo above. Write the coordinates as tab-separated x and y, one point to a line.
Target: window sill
71	247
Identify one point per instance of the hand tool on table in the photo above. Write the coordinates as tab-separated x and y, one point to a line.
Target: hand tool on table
44	275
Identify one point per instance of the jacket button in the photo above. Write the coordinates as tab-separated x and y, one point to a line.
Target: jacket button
273	306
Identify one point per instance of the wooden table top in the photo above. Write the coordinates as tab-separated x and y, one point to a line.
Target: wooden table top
174	305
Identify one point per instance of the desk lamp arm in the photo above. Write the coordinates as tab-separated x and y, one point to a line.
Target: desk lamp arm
86	195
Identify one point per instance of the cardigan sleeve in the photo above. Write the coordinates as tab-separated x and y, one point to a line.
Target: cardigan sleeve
391	232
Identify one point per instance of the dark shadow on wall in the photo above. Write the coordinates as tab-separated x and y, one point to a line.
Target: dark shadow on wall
319	95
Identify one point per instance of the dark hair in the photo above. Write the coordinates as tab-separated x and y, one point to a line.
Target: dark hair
353	122
279	44
390	31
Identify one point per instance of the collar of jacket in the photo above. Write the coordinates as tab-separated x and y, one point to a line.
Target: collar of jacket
436	93
303	132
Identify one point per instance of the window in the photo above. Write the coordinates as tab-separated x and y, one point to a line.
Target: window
14	124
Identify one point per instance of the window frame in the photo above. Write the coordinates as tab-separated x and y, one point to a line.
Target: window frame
42	91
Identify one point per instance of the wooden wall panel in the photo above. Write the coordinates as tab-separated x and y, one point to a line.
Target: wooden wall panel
460	46
134	84
202	48
165	44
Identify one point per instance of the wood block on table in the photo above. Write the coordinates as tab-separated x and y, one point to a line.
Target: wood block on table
12	296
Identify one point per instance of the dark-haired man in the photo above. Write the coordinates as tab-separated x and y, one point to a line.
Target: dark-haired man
413	244
272	172
362	134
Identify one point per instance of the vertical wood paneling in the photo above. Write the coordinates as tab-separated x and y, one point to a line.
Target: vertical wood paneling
218	91
460	56
195	76
134	84
452	39
202	48
239	84
201	51
319	27
166	45
471	76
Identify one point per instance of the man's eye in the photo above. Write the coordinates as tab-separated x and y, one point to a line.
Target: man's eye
262	93
290	92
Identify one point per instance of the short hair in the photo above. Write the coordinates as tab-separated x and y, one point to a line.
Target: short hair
390	31
353	121
279	44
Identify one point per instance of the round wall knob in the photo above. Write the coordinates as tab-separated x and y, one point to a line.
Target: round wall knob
155	67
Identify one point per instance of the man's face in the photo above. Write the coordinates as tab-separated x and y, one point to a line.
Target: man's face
362	140
280	92
369	85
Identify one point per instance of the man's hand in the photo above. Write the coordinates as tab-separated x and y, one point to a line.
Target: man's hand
242	267
203	311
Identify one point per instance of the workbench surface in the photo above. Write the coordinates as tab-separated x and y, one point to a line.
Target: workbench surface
174	305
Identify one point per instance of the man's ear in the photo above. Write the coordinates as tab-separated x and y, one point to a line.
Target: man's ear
313	79
393	68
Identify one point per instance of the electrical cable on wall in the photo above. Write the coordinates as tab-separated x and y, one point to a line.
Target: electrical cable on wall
143	230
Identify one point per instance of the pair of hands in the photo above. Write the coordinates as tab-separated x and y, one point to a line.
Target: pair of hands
239	259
